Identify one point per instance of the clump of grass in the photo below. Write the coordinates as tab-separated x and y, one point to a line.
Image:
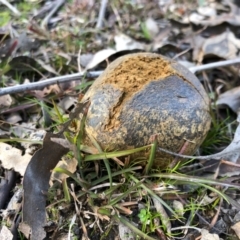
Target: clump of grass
112	192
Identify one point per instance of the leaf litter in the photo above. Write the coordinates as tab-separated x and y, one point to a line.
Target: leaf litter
45	45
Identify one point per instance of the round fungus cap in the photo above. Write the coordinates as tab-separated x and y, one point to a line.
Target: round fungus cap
144	94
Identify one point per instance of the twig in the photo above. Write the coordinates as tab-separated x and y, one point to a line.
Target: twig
216	156
77	76
11	7
176	159
214	65
57	5
102	13
48	82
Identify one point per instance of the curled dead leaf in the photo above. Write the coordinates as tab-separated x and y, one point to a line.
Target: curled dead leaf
12	158
36	183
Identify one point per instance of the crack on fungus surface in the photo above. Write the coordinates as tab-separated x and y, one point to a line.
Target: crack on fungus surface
132	75
114	114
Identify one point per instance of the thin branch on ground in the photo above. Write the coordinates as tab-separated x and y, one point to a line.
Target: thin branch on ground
11	7
42	84
76	76
102	13
214	65
216	156
56	6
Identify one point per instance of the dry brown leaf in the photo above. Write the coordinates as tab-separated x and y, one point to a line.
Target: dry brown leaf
224	168
124	42
125	233
12	158
85	59
236	228
211	18
67	102
178	207
208	236
13	118
5	234
225	45
36	184
163	214
204	13
208	11
55	88
196	18
179	12
230	98
99	57
5	101
47	67
25	229
14	205
217	20
69	164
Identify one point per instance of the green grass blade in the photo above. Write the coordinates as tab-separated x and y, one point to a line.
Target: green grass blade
102	179
82	183
221	194
117	199
153	195
59	115
105	160
67	195
193	179
114	154
151	156
21	140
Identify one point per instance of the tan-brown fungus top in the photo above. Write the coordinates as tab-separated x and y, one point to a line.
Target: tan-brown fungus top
145	94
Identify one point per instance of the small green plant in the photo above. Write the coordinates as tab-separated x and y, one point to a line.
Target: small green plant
147	217
83	86
145	31
218	134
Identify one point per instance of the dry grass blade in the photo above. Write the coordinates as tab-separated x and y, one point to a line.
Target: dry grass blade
114	154
153	195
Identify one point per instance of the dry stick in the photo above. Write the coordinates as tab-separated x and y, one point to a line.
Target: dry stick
102	13
11	7
41	84
57	5
216	156
176	159
214	65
